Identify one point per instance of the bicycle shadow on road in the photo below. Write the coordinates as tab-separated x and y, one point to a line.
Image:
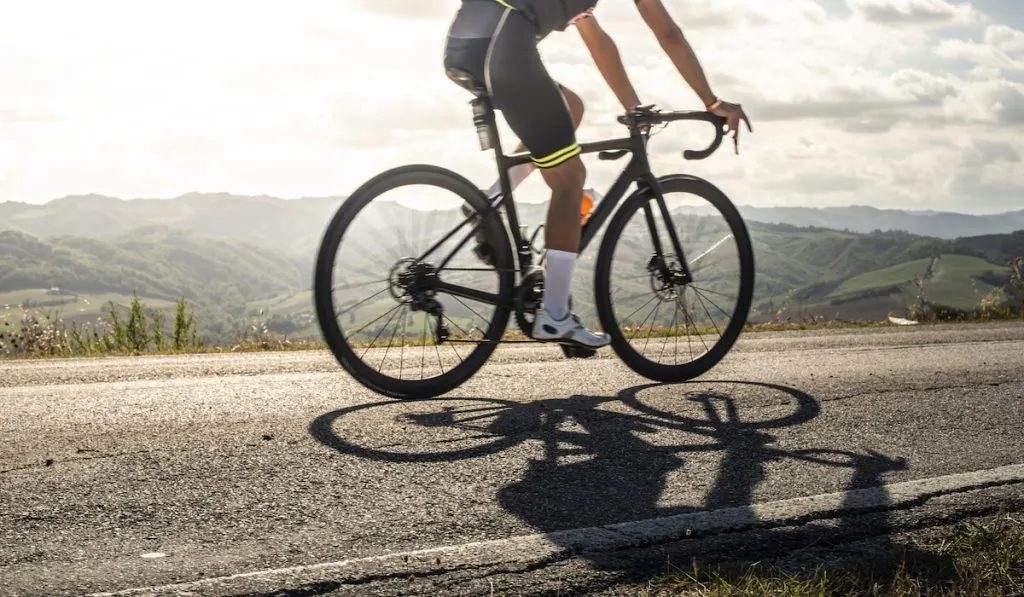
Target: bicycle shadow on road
608	460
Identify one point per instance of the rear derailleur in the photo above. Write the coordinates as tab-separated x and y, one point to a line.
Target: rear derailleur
412	284
431	306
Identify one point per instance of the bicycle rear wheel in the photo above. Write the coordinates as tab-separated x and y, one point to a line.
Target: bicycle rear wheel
374	288
662	327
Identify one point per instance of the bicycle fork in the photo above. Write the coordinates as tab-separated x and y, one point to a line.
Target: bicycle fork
658	264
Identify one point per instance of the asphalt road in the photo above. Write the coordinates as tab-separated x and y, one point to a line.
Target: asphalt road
228	464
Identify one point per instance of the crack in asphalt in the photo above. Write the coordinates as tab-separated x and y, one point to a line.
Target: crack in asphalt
634	543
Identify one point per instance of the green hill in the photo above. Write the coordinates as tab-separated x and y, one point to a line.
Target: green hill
217	277
810	271
807	270
951	273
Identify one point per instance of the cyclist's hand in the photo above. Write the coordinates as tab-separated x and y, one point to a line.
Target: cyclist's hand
733	114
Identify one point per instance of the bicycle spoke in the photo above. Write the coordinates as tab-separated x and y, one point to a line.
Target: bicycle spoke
451	321
367	305
713	304
359	249
451	344
689	340
709	291
423	350
369	298
630	316
482	318
653	320
446	238
644	322
440	363
359	285
403	240
706	312
384	359
675	313
675	350
698	231
696	330
382	328
636	296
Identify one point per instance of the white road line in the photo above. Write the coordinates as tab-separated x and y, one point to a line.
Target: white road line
532	548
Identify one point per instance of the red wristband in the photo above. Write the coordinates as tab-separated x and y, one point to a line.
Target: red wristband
714	105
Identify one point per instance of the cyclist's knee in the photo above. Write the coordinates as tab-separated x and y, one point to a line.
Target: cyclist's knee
567	177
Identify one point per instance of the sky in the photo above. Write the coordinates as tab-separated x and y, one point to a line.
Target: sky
909	104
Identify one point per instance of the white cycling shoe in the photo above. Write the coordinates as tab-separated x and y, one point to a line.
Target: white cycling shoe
569	331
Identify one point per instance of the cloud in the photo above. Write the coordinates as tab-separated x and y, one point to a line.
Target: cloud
1005	38
982	54
872	105
821	182
1007	102
913	12
1002	48
134	99
405	9
983	152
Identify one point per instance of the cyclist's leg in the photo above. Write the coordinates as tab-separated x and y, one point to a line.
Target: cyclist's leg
539	114
466	48
519	173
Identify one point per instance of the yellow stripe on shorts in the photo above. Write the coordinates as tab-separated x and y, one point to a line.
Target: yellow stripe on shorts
559	157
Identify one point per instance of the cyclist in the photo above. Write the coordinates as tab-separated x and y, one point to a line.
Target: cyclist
493	44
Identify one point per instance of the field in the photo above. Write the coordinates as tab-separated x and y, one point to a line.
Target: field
73	307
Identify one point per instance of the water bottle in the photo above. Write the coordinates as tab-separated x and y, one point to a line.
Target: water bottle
590	198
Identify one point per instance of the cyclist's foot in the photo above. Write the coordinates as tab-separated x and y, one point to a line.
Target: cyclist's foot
484	249
569	330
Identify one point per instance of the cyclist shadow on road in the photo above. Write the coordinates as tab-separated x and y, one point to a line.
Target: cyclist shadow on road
606	460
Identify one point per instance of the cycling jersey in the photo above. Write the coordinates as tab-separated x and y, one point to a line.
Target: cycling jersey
551	15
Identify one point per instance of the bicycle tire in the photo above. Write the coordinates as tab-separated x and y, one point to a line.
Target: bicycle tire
415	174
602	276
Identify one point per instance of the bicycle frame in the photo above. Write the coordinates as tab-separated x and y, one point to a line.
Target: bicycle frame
637	170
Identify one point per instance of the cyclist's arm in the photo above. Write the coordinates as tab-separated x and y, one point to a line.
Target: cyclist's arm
671	38
608	61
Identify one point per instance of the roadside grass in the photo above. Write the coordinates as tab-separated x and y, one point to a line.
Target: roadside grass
44	338
975	559
142	329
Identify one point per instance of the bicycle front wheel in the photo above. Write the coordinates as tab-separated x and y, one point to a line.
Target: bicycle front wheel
377	290
663	326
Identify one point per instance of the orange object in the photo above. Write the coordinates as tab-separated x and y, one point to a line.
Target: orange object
586	205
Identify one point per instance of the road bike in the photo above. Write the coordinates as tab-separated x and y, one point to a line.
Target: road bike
433	288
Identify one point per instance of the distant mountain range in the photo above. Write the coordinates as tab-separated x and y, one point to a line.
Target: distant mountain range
230	255
859	218
296	224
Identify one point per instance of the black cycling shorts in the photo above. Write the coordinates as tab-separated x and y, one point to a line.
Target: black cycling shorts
497	46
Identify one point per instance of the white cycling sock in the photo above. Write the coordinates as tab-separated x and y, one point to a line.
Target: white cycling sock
558	267
516	176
